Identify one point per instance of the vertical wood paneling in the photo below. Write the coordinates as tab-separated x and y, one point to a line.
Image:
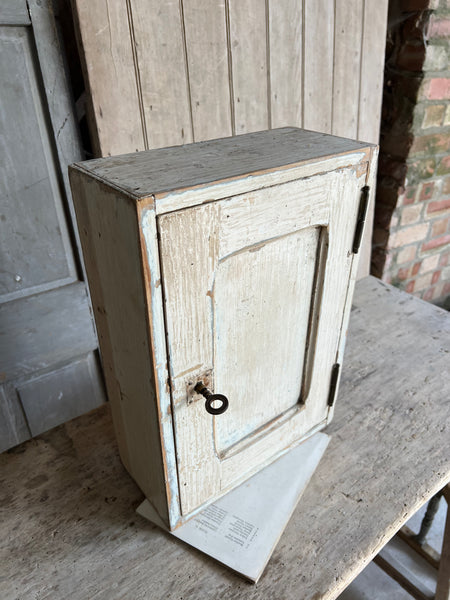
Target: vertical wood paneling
160	54
347	57
207	58
371	75
110	69
318	64
286	52
249	64
213	68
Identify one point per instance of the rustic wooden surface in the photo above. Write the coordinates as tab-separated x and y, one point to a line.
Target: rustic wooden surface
170	73
67	504
48	370
169	173
206	253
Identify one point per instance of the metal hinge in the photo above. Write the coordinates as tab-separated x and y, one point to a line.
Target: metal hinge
361	219
333	383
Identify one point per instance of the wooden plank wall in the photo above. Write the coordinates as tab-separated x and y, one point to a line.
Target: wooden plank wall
167	73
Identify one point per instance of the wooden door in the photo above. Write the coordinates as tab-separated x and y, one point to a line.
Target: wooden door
254	288
48	367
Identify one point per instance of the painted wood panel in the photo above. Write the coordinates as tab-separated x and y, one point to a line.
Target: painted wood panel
163	77
47	335
112	77
172	291
205	32
43	329
63	394
285	45
204	69
318	33
348	35
34	240
239	241
248	50
14	12
371	72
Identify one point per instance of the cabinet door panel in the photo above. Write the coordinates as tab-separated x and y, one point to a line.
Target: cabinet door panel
262	294
254	290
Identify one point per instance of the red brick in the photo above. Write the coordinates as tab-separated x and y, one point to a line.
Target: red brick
410	194
411	214
406	255
430	263
439	27
408	235
429	294
427	191
436	243
446	289
438	206
403	274
438	88
415	268
444	166
423	282
410	287
434	114
435	277
446	186
431	144
422	169
443	261
439	227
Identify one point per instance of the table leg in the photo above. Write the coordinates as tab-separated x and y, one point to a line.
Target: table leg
443	581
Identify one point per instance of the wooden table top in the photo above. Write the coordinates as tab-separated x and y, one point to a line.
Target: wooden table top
69	528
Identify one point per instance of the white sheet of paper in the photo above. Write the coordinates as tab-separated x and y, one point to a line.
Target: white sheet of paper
242	528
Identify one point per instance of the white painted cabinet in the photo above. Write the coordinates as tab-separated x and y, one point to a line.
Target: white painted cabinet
229	264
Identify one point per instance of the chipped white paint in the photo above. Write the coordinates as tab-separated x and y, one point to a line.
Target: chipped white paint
252	298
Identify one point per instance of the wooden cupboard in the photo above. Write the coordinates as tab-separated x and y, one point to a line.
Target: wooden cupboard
227	265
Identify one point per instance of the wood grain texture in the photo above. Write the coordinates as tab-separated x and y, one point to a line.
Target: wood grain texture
223	244
162	72
174	170
111	247
13	426
57	89
109	65
34	241
248	51
205	252
14	12
372	61
62	394
207	59
318	31
286	62
348	32
366	241
68	504
66	135
25	324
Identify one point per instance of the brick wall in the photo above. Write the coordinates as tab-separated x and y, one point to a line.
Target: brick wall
411	244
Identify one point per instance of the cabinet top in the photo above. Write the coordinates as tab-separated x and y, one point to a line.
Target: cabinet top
162	172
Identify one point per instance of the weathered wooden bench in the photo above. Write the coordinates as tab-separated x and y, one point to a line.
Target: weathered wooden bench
69	528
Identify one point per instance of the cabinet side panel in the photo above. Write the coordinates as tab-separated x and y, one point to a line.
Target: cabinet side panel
110	240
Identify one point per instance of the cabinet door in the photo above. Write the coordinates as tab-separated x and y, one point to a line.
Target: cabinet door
254	288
